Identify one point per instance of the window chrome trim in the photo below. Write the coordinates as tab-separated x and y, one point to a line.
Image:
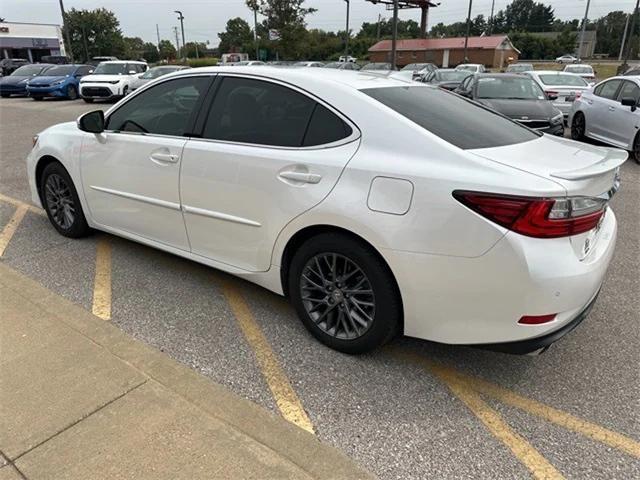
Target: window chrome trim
356	134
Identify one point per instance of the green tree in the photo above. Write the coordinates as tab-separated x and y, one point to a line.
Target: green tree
150	52
133	48
195	49
94	33
236	37
167	50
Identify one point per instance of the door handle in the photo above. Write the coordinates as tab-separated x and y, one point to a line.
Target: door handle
164	157
301	177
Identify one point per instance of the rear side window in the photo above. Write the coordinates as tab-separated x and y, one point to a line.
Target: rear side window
325	127
629	90
264	113
452	118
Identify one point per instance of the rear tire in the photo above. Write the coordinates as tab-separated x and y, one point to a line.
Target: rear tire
578	127
37	98
636	149
344	293
5	95
88	100
60	201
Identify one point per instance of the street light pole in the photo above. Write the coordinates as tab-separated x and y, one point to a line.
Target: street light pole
630	35
584	27
65	26
346	33
394	38
466	38
181	18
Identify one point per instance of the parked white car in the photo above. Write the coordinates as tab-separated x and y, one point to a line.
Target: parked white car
111	80
472	67
567	59
585	71
378	206
560	87
609	113
308	64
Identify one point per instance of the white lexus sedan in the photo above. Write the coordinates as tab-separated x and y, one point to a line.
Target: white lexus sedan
609	113
378	206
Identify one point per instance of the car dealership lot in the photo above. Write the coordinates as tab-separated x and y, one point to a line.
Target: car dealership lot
412	410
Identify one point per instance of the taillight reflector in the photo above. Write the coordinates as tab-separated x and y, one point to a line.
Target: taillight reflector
537	319
536	217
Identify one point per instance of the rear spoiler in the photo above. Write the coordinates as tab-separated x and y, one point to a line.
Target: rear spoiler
612	160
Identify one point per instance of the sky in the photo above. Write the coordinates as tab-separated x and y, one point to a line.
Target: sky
204	19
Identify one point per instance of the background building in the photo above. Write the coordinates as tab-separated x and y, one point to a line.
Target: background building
494	51
31	41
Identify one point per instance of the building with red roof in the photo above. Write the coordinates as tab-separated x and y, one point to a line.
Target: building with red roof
492	51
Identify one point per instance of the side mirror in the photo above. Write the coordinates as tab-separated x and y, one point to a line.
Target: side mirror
629	102
92	122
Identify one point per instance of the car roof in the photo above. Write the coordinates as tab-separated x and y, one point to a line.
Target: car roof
578	65
123	61
300	77
553	72
500	75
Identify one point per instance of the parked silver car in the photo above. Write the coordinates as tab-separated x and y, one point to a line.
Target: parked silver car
153	73
560	87
609	113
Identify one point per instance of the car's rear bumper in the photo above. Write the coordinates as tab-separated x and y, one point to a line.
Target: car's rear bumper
480	300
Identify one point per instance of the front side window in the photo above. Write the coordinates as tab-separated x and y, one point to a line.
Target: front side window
454	119
608	89
165	109
254	111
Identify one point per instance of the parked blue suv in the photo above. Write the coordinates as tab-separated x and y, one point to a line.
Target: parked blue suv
60	81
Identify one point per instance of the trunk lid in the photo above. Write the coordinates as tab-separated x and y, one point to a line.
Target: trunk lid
580	168
583	170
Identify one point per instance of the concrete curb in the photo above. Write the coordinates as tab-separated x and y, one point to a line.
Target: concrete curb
290	442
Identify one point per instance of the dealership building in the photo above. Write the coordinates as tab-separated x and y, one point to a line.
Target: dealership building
31	41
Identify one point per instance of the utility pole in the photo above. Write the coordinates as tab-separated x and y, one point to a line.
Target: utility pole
84	40
584	27
346	33
466	38
181	18
175	30
67	34
424	18
632	29
394	38
255	29
493	6
378	32
624	37
158	33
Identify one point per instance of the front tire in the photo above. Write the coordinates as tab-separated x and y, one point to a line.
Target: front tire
344	293
5	95
72	92
88	100
61	202
578	127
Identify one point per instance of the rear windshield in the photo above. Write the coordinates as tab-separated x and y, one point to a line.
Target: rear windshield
560	79
453	75
451	117
111	69
520	67
579	69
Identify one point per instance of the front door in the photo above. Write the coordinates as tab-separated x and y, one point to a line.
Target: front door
603	105
268	153
625	120
131	172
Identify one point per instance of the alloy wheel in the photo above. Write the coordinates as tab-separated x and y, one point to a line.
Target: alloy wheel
577	127
337	296
60	201
72	93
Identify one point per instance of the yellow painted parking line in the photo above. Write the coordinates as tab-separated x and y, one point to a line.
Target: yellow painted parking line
10	228
283	393
18	203
523	450
553	415
102	283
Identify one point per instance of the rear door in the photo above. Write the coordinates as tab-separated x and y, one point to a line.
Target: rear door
601	112
625	120
268	153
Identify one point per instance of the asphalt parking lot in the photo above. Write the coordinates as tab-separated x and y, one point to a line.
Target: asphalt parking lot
412	410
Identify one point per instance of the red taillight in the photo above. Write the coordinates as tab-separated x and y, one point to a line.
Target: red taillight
577	95
537	217
537	319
